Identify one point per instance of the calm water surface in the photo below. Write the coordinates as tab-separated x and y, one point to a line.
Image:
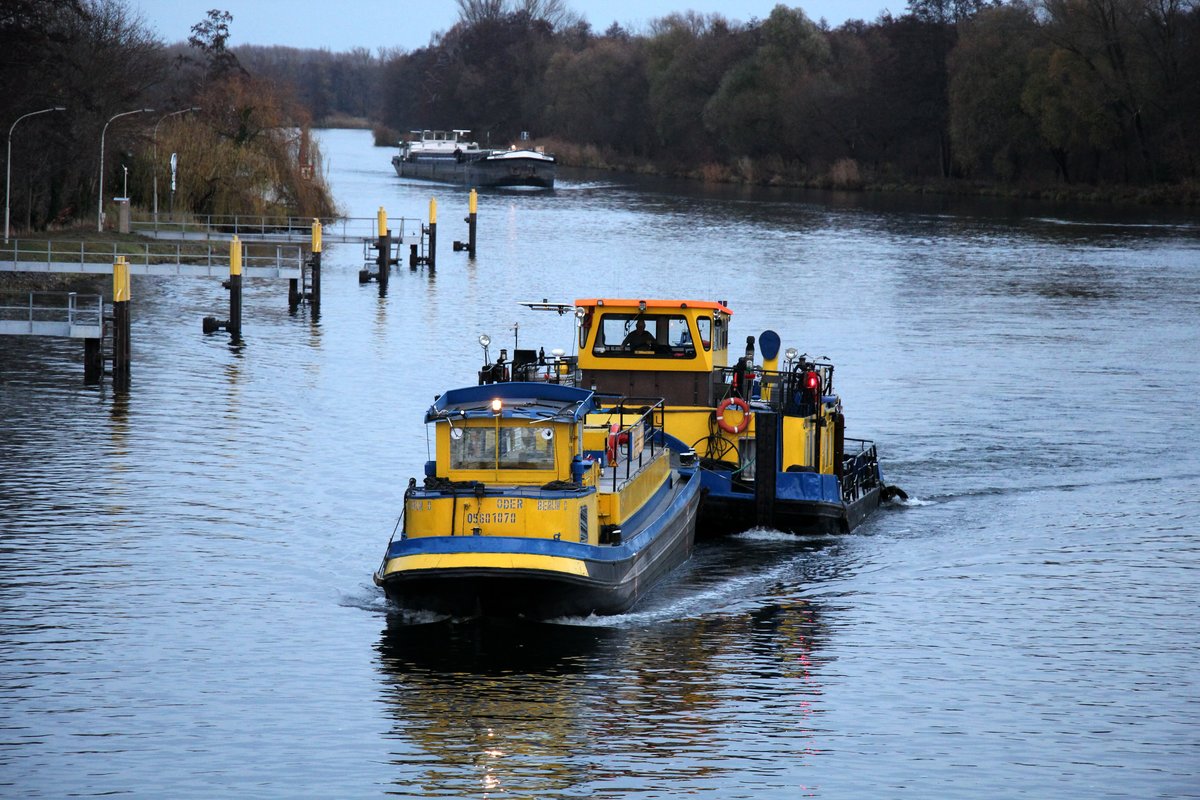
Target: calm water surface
186	607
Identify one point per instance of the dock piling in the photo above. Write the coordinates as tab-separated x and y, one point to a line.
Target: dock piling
317	246
121	321
472	208
234	284
383	254
432	233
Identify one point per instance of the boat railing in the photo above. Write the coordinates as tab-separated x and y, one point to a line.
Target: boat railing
531	366
783	390
634	444
860	469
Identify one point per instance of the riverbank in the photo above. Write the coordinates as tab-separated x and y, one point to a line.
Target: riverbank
848	175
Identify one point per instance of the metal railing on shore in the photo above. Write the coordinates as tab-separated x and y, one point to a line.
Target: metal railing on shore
51	314
248	227
261	260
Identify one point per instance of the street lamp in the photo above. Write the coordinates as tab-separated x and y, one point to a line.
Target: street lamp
104	130
8	161
155	140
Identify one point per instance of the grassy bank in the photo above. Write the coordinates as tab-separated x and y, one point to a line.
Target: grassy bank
848	175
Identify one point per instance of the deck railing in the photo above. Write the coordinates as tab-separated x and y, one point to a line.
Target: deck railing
860	469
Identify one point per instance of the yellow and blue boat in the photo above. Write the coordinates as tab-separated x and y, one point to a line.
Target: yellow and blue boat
770	436
541	502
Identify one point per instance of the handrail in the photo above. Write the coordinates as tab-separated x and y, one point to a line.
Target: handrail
285	256
648	410
778	385
860	470
264	225
75	308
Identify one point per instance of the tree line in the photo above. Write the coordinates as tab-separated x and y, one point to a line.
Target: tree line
1070	91
241	144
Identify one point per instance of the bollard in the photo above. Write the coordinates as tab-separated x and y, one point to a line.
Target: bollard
235	287
234	284
469	246
383	249
432	233
472	208
316	264
121	349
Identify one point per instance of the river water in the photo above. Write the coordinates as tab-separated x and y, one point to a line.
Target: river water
186	607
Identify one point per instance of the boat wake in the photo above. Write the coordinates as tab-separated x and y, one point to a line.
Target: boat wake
683	600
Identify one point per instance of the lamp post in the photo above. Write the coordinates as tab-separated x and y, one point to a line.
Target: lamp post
104	130
155	140
8	161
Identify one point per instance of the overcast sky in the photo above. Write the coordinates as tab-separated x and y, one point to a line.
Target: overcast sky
408	24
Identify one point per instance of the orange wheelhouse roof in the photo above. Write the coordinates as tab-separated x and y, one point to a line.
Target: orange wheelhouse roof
625	303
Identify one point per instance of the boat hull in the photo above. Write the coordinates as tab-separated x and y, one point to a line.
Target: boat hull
729	513
488	173
544	578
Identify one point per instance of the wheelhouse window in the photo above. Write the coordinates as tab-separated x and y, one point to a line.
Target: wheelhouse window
644	335
524	447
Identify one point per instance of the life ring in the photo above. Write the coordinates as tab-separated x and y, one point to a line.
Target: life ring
738	403
611	449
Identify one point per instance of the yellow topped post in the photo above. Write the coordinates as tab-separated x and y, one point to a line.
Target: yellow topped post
433	211
382	216
316	236
120	280
472	202
235	256
121	321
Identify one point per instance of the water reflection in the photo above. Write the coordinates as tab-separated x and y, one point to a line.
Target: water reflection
546	710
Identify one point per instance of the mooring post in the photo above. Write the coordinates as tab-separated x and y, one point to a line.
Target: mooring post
121	349
432	233
469	246
383	256
472	208
316	264
234	284
766	458
235	287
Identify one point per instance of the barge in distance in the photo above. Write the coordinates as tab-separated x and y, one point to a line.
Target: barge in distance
449	157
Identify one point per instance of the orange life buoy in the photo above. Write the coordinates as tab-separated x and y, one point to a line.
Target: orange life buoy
738	403
611	449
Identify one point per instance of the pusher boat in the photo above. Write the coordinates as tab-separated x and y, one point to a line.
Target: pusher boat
541	503
771	440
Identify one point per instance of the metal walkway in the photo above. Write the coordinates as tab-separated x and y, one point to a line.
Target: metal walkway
67	314
297	230
197	259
